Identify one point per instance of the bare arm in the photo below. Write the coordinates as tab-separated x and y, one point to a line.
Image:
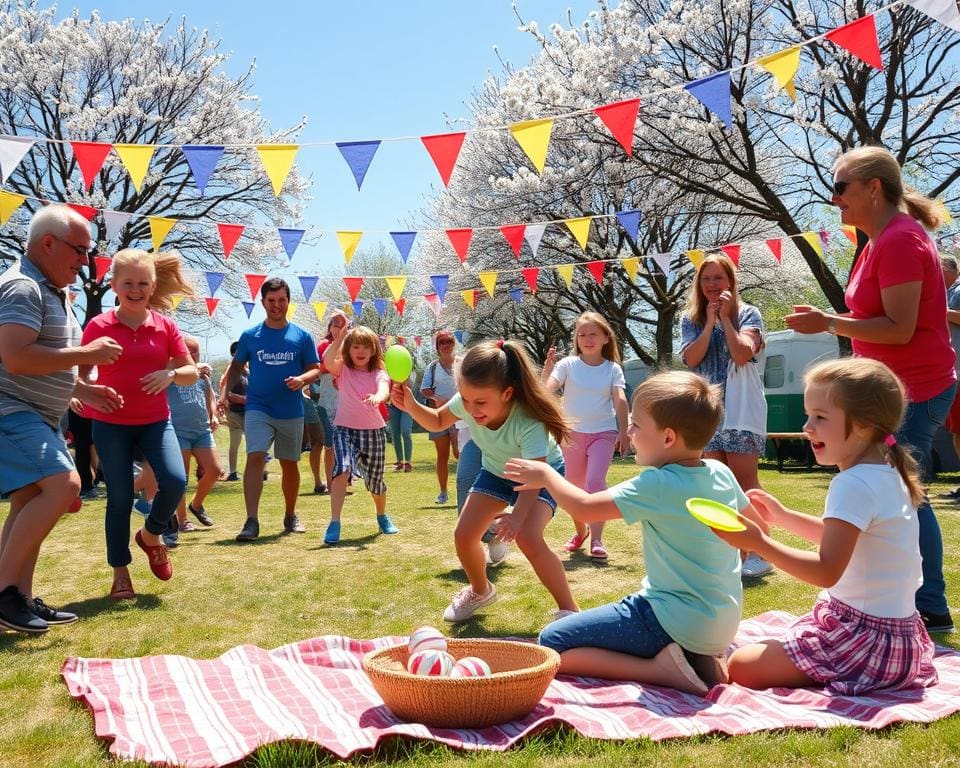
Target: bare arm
693	354
23	356
580	505
772	512
622	409
897	324
332	360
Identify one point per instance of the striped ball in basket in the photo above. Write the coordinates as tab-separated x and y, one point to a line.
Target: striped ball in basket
520	675
430	663
470	666
426	638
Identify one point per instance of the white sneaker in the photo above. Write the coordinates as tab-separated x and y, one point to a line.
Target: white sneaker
497	552
754	567
466	602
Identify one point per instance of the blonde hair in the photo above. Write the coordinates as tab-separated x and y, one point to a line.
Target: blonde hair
865	163
502	364
610	350
362	336
871	396
697	303
167	277
682	401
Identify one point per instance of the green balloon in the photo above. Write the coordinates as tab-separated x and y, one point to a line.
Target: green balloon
398	363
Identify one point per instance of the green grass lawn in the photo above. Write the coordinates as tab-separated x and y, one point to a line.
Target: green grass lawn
282	589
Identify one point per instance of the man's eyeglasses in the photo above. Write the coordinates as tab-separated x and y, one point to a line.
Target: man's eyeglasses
82	250
839	187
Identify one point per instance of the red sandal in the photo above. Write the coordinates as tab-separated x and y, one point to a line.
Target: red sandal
157	554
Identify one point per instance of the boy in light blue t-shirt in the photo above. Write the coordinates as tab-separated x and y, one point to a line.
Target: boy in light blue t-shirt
675	630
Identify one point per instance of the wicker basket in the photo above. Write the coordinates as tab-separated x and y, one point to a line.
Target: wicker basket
520	675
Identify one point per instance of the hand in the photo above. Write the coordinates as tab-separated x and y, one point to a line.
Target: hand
529	474
725	310
204	369
713	313
766	505
76	405
214	423
398	396
294	383
507	528
104	399
807	319
549	362
622	444
102	351
749	540
339	333
156	382
372	400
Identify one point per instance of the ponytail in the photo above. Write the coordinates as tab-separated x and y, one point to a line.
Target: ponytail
901	460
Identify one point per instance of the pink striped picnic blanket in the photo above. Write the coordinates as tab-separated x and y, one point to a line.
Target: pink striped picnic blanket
178	711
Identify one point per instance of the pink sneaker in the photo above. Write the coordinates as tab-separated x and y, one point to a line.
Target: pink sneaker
576	541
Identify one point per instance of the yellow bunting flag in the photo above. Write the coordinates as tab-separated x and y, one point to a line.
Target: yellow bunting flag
469	298
630	265
348	309
946	218
396	284
319	309
291	310
533	136
175	300
160	227
580	229
136	159
489	281
696	257
783	66
566	272
9	202
277	160
813	238
348	243
388	339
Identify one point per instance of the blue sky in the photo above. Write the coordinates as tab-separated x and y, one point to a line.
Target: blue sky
360	71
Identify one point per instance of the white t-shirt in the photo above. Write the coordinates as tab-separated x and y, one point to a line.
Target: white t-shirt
884	571
588	393
443	384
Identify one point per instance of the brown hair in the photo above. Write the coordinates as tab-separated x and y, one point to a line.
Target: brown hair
361	335
697	303
502	364
334	315
169	280
610	350
443	335
865	163
682	401
870	395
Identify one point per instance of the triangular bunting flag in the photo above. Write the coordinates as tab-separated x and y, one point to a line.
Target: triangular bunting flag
396	284
813	239
401	340
115	221
136	159
566	272
9	202
102	265
248	307
444	149
357	307
713	92
160	227
12	151
850	232
214	279
488	280
400	305
824	237
696	256
783	66
944	11
291	239
359	155
859	37
202	159
533	136
533	235
596	269
291	311
277	161
229	234
254	282
580	229
776	248
307	283
435	304
621	118
440	286
87	211
354	284
530	274
211	305
89	156
469	298
630	221
381	306
404	242
176	300
417	341
459	336
319	309
460	240
662	260
630	267
733	253
349	240
517	295
945	214
514	235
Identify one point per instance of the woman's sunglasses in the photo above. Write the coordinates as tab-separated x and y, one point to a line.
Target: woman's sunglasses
839	187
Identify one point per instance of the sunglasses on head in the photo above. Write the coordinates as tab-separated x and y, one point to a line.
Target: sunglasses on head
839	187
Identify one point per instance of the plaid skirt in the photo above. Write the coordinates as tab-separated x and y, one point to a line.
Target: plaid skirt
851	652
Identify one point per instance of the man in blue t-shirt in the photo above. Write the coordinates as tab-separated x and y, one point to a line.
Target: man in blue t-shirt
283	360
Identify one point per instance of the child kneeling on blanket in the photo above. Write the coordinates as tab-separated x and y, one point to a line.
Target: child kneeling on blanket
675	630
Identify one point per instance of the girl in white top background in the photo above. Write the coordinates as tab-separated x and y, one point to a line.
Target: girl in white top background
595	402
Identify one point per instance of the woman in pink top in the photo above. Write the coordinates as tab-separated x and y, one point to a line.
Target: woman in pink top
898	311
150	341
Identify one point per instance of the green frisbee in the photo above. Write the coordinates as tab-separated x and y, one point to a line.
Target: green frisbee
715	515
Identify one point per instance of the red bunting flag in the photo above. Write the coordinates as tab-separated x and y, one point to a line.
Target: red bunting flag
211	305
514	234
596	269
87	211
444	149
229	234
621	118
859	38
354	284
733	253
417	340
460	240
102	265
401	340
400	305
530	274
254	281
90	156
775	247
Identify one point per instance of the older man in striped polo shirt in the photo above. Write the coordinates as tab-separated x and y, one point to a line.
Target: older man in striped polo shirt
39	355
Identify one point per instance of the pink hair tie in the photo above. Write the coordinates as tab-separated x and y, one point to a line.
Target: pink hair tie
890	441
499	343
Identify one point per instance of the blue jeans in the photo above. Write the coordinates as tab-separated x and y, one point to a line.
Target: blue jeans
629	626
115	446
468	467
920	424
401	432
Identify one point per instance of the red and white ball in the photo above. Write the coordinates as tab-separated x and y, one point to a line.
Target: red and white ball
426	639
470	666
430	663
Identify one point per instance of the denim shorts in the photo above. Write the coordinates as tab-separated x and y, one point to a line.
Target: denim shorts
310	415
286	435
450	432
192	439
498	487
31	450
